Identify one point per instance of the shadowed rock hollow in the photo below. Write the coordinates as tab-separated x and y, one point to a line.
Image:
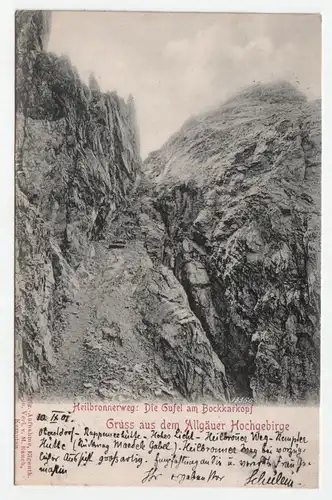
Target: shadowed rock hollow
192	276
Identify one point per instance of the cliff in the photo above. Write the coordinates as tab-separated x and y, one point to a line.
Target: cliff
95	316
239	193
76	161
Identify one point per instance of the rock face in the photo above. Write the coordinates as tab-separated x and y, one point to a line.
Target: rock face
192	277
91	320
76	161
239	193
78	146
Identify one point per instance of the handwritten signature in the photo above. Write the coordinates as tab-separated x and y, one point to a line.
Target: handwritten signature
261	478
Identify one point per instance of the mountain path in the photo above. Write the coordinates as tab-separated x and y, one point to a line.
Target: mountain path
103	354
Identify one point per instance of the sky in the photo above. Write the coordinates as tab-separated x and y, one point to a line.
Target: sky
178	65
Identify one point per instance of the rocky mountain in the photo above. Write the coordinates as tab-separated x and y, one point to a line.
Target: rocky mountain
192	276
239	192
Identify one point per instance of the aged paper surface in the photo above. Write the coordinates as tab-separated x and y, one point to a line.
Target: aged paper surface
167	281
166	445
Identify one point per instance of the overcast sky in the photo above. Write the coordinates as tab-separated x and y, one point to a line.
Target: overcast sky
176	65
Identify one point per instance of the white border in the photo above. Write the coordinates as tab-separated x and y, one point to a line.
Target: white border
7	259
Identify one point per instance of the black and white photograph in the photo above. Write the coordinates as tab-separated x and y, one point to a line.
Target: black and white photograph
167	207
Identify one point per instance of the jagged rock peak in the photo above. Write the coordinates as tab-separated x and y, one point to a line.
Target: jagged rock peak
93	83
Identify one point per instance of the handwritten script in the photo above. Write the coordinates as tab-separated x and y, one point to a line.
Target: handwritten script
170	444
